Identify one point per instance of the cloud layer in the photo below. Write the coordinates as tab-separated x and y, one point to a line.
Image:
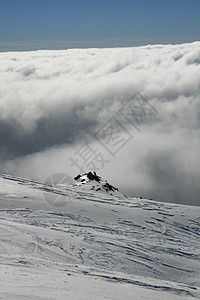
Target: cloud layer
51	101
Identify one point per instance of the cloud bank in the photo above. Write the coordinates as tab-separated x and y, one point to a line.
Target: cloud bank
52	102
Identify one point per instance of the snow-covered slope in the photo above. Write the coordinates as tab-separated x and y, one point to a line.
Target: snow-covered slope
95	245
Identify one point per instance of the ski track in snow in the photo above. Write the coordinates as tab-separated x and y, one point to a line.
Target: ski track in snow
124	243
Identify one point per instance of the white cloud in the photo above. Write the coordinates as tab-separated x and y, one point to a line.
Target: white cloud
50	100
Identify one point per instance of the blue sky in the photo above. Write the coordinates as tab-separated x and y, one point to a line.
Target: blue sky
31	20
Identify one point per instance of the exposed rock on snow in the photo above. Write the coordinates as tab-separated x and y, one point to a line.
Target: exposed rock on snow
95	182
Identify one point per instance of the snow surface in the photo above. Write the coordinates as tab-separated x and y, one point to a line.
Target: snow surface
93	245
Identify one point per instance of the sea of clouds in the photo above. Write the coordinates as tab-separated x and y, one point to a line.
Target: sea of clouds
52	102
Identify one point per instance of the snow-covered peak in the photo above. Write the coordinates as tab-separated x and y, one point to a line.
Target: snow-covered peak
88	177
94	182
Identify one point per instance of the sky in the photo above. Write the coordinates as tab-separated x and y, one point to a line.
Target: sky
50	101
64	20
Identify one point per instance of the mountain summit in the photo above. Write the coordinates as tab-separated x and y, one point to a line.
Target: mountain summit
88	176
94	182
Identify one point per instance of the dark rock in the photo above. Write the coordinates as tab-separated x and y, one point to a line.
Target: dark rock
77	177
93	176
109	187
